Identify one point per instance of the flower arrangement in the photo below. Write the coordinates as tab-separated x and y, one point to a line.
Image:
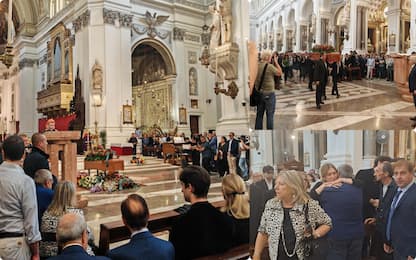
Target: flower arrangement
105	182
138	160
323	48
100	155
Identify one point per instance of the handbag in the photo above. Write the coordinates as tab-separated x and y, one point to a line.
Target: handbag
256	96
315	249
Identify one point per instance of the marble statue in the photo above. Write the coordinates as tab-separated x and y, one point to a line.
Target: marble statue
193	83
215	28
97	76
225	9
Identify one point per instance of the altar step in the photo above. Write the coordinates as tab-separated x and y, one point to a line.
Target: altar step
151	165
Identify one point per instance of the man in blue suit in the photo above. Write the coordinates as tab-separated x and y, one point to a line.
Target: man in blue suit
400	225
44	192
142	245
71	233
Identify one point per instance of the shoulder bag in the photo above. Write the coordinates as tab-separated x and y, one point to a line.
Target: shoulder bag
315	249
256	96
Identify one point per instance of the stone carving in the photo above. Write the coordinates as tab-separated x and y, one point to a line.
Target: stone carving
225	10
205	36
81	21
215	28
191	57
232	90
97	76
24	63
126	20
346	13
110	16
192	38
142	30
178	34
193	82
152	22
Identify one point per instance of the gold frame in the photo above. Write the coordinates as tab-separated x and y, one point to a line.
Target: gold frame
127	114
182	116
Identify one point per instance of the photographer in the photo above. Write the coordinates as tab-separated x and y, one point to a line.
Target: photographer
265	84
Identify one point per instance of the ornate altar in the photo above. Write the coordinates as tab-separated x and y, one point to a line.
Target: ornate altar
55	99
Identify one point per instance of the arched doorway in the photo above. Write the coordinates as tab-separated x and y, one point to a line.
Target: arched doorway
153	75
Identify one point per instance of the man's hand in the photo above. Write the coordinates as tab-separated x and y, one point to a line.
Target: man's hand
374	202
414	92
388	249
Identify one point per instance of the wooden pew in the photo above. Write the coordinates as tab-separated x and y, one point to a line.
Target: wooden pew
116	231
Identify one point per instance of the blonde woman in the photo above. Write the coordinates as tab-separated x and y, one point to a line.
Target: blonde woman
63	202
283	222
237	207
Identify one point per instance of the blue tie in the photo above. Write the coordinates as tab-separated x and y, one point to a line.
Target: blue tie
392	209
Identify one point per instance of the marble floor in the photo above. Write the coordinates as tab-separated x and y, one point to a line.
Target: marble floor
363	104
159	186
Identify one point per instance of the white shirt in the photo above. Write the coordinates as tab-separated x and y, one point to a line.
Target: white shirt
403	191
139	231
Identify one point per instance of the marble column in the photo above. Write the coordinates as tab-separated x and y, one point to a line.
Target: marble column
318	29
309	156
26	97
345	147
115	58
261	152
298	36
369	147
235	112
285	36
393	34
412	27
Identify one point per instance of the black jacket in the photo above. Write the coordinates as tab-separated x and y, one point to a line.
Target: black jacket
36	160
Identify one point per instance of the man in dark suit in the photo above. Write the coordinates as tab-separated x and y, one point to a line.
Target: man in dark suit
38	158
260	193
412	83
310	69
203	230
232	148
387	189
142	245
71	233
334	73
400	225
321	78
370	192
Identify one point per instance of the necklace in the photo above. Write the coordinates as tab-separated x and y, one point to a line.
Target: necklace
284	245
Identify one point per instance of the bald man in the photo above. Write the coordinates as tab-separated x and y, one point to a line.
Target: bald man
71	233
142	245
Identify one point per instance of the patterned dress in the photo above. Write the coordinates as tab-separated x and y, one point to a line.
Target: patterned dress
272	222
49	224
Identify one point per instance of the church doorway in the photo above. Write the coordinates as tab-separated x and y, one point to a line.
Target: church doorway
153	75
194	122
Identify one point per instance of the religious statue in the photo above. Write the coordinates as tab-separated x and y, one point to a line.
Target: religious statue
97	76
225	9
215	28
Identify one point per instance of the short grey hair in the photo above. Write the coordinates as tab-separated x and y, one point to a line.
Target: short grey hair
346	171
70	227
42	175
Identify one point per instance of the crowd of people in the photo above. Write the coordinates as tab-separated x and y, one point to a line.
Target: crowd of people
297	67
226	155
42	222
369	215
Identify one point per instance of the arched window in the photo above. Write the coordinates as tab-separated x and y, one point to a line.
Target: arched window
193	82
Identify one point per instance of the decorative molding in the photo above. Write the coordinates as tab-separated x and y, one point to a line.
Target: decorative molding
178	34
81	21
44	59
193	38
139	29
26	62
192	57
126	20
110	16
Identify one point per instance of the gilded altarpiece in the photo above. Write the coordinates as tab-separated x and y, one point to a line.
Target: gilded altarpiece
56	98
153	103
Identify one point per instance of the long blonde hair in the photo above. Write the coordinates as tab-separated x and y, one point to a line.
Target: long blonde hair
63	198
324	170
236	199
294	180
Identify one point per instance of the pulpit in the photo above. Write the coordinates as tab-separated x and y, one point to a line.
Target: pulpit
64	143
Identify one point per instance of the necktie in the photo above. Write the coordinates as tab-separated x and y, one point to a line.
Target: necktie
392	209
